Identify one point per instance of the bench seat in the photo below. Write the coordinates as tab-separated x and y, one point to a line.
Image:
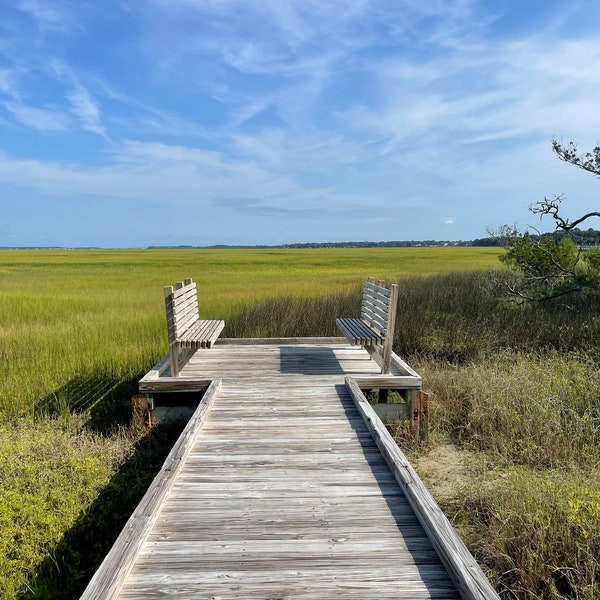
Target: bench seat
359	333
202	334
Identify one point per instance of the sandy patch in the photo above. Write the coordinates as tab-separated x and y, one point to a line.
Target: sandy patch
444	470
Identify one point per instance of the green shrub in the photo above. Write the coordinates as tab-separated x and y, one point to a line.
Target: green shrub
48	474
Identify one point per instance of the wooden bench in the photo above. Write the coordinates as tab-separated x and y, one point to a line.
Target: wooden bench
187	332
374	330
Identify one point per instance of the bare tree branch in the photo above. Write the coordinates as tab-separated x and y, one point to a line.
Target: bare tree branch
552	207
514	292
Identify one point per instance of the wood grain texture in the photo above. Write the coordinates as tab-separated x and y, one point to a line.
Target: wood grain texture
285	493
462	567
108	579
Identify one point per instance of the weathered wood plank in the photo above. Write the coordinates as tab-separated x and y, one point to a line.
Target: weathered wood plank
109	578
278	341
358	332
185	290
286	493
376	289
462	567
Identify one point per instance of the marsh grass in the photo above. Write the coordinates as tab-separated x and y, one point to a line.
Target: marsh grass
535	409
538	532
518	385
71	315
293	317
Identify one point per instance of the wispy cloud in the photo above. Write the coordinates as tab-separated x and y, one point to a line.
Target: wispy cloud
42	11
48	119
186	177
509	97
311	151
255	208
86	110
57	15
8	85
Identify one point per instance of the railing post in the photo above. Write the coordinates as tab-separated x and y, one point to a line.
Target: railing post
389	333
419	414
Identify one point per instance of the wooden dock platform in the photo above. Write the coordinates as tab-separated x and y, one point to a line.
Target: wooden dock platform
285	484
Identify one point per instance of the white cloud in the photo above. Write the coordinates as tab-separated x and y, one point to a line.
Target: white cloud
8	85
512	90
42	11
154	172
86	110
314	151
51	15
178	177
49	119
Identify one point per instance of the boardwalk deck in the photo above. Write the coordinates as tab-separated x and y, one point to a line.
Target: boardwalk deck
281	492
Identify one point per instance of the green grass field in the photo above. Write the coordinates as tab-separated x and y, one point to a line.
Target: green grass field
73	314
231	276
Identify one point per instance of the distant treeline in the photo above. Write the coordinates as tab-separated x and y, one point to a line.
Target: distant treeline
589	237
583	238
393	244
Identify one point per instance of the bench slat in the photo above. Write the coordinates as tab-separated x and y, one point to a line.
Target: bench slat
381	296
375	306
367	285
185	319
374	320
189	305
200	333
192	334
186	290
349	331
184	306
381	303
214	331
359	332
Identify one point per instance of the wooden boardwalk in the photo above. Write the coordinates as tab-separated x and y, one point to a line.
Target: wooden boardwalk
278	489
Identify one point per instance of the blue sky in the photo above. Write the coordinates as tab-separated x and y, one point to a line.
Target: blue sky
128	123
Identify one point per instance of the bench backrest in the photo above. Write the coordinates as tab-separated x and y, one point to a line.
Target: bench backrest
181	306
379	307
